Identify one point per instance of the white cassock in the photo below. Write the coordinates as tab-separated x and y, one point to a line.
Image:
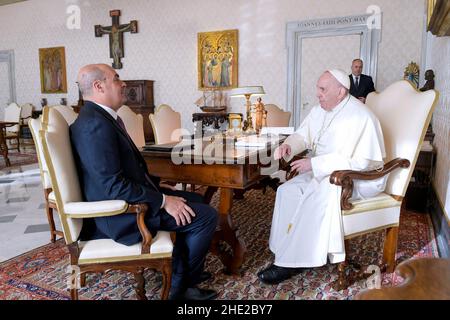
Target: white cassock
307	223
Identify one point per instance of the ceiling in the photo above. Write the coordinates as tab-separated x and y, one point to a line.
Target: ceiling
5	2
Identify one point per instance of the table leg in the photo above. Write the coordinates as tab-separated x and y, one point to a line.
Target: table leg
226	232
4	148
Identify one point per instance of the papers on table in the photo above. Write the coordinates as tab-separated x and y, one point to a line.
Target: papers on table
277	130
256	141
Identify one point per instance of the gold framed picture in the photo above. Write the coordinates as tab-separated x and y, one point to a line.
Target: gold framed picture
235	121
52	63
217	60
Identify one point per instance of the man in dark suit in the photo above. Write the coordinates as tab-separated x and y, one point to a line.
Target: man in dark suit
360	84
111	167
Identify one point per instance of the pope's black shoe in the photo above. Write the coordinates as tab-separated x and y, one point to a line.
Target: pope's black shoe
193	293
275	274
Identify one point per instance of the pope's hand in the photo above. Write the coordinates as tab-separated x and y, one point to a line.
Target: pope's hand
281	151
302	165
178	209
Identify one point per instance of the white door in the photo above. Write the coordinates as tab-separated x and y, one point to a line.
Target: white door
319	54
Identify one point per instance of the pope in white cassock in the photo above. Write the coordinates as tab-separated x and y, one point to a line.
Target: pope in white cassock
343	134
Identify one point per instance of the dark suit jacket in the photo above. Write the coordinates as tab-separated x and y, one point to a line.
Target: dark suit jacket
365	86
110	167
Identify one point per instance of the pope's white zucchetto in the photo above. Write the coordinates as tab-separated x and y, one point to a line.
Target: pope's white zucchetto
341	77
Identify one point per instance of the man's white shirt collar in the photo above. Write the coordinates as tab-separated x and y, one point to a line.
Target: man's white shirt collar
109	110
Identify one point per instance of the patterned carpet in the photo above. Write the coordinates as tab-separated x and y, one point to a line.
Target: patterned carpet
19	159
42	273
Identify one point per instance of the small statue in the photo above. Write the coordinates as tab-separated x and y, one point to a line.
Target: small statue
429	84
260	115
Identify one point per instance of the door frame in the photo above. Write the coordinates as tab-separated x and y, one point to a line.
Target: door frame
8	57
363	25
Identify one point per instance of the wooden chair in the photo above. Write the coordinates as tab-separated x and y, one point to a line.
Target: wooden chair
403	140
99	255
424	279
134	124
49	195
12	114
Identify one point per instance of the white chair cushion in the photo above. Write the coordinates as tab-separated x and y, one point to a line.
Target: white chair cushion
95	208
107	250
381	201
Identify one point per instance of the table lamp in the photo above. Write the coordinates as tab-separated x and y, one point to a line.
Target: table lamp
247	92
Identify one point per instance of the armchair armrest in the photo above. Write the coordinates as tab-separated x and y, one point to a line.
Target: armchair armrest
345	178
93	209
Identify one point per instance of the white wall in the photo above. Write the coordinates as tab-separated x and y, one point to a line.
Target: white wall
165	49
438	59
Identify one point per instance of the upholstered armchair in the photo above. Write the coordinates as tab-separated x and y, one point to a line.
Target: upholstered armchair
404	114
49	195
50	204
276	117
99	255
134	124
67	112
166	124
12	114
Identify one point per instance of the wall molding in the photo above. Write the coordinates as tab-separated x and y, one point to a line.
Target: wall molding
328	27
8	57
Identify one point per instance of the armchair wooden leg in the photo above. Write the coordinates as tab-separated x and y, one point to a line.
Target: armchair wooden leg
51	222
82	279
390	248
140	288
74	294
341	283
166	279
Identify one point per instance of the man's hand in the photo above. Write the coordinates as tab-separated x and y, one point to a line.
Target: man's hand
302	165
178	209
168	186
281	151
362	99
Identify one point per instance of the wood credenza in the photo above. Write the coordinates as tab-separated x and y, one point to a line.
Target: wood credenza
140	99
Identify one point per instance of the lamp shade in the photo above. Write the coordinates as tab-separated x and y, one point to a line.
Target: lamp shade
243	91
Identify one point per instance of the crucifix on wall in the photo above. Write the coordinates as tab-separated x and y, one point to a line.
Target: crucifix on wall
115	32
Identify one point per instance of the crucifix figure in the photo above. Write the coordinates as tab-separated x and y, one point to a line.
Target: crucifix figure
115	32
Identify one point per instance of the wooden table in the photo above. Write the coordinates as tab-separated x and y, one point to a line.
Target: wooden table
425	279
3	145
218	166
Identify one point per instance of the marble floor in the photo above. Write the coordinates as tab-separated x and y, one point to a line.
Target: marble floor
23	221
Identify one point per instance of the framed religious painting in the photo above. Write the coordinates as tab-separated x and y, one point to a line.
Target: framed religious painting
52	63
217	60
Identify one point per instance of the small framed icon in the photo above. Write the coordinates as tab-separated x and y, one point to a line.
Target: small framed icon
235	121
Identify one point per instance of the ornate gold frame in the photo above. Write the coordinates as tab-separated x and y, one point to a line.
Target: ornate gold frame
217	48
52	63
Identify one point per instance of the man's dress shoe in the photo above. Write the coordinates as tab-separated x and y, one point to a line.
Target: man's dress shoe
275	274
205	275
194	293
